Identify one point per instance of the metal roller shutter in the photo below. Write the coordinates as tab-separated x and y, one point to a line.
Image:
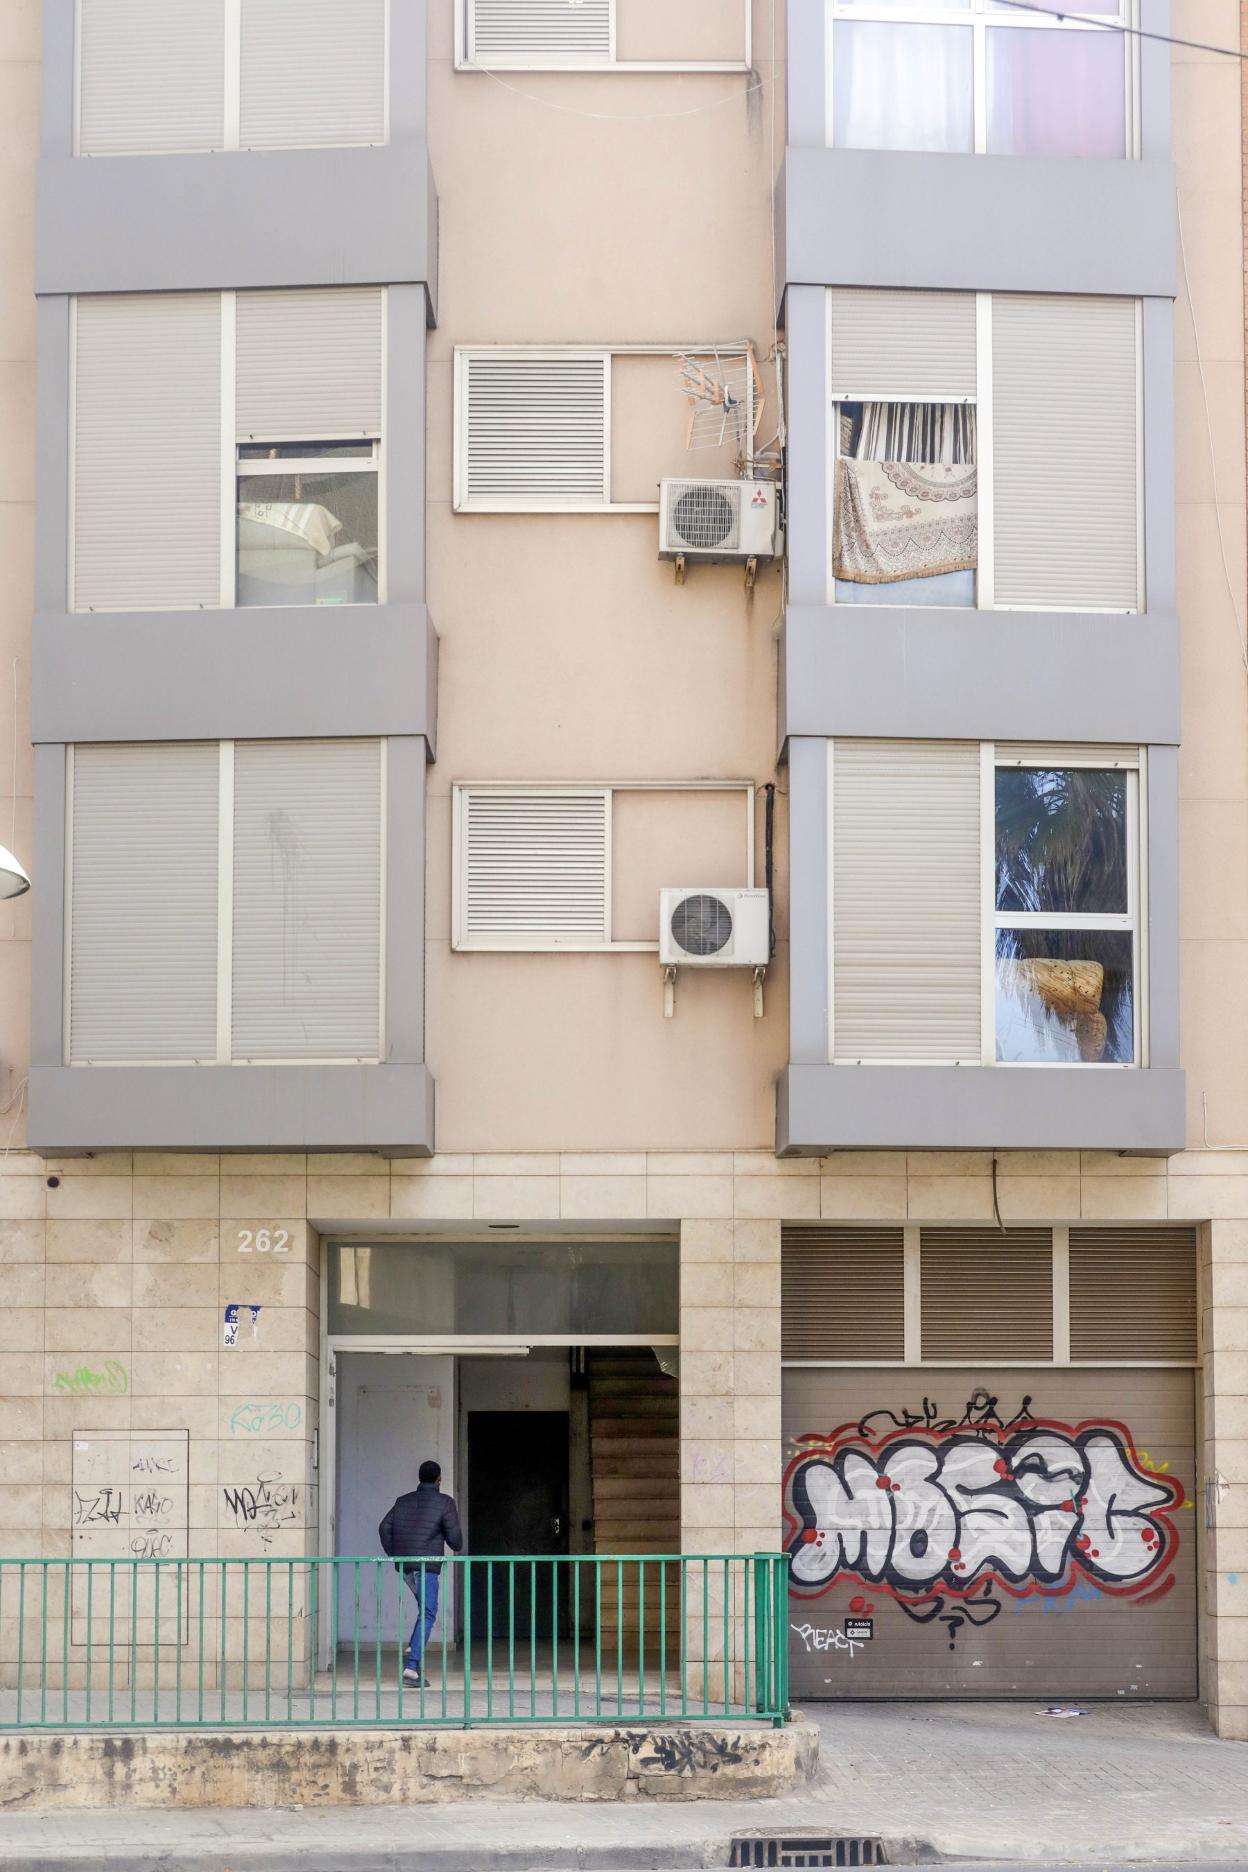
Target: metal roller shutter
533	867
1133	1293
142	923
1065	428
147	452
534	430
906	891
899	346
309	364
307	900
539	32
170	98
842	1293
313	73
987	1295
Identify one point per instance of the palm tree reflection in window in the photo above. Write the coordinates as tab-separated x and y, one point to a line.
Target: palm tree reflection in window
1062	850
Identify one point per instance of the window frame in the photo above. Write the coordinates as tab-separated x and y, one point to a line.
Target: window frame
465	62
994	754
980	16
232	38
463	503
983	402
224	1054
461	791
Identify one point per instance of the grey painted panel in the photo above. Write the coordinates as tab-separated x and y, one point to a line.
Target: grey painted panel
306	670
1163	905
809	509
808	901
980	675
47	1013
52	456
1155	78
312	217
387	1108
824	1108
405	443
978	223
1160	586
405	898
806	72
56	127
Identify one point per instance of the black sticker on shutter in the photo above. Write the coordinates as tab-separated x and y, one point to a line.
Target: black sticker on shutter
859	1629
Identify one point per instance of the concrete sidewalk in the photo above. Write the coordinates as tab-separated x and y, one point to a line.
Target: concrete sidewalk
987	1781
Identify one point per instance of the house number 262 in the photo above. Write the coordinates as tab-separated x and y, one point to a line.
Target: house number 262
263	1241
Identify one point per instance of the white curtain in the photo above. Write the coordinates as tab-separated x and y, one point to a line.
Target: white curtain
904	87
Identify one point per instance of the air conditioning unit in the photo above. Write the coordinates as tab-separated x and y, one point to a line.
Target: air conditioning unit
719	522
707	926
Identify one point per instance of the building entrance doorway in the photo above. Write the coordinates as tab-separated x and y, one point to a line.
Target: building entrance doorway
518	1507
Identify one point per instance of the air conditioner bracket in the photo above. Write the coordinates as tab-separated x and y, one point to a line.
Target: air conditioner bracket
751	572
669	993
760	975
680	568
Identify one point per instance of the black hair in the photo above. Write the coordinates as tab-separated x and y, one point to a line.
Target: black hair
430	1472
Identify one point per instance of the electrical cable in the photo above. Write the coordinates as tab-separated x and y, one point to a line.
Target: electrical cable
642	117
1135	32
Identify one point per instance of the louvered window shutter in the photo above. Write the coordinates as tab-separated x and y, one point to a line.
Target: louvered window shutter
841	1293
906	900
534	430
147	452
899	346
1133	1293
1065	440
533	867
307	900
986	1295
539	32
143	903
313	73
309	364
151	76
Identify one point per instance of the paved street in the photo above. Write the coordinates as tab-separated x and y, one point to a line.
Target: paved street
992	1782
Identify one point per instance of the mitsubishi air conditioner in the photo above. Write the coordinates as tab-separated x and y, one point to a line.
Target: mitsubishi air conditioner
719	522
711	927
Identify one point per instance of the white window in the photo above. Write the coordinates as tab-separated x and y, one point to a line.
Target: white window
985	904
966	75
225	902
571	430
230	74
579	867
590	35
227	449
1011	424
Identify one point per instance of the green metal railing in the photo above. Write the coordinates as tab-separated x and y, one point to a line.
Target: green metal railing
297	1643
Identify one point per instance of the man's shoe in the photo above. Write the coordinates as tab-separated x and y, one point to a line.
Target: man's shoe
413	1677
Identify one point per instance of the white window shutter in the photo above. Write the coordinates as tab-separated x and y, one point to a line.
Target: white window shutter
533	867
534	430
147	451
308	867
151	76
906	896
313	73
143	903
539	32
309	363
902	346
1065	451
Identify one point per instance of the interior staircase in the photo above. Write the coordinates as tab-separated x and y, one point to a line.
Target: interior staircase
635	1465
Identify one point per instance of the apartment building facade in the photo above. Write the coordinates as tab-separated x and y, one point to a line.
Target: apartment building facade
363	1101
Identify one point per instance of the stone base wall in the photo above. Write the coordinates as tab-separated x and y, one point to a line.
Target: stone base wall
318	1768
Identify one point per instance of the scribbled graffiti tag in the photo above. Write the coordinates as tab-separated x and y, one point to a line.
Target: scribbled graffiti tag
933	1514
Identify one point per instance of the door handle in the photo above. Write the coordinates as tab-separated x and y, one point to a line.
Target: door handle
558	1524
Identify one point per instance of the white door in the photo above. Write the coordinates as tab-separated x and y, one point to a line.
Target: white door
395	1411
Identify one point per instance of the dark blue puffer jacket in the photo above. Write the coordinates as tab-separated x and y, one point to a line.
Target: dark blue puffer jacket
420	1524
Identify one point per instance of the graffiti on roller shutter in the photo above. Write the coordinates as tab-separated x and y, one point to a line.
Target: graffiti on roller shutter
942	1514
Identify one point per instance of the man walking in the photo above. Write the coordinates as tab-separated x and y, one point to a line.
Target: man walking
415	1530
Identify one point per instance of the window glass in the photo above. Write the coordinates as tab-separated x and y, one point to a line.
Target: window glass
903	87
437	1288
307	537
1065	996
1062	841
1055	93
906	529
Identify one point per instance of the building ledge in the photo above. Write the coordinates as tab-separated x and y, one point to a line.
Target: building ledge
976	223
823	1108
234	219
921	672
387	1108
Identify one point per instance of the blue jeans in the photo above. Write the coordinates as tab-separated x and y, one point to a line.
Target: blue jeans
424	1589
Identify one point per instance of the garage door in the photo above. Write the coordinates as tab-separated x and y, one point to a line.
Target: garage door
1010	1512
